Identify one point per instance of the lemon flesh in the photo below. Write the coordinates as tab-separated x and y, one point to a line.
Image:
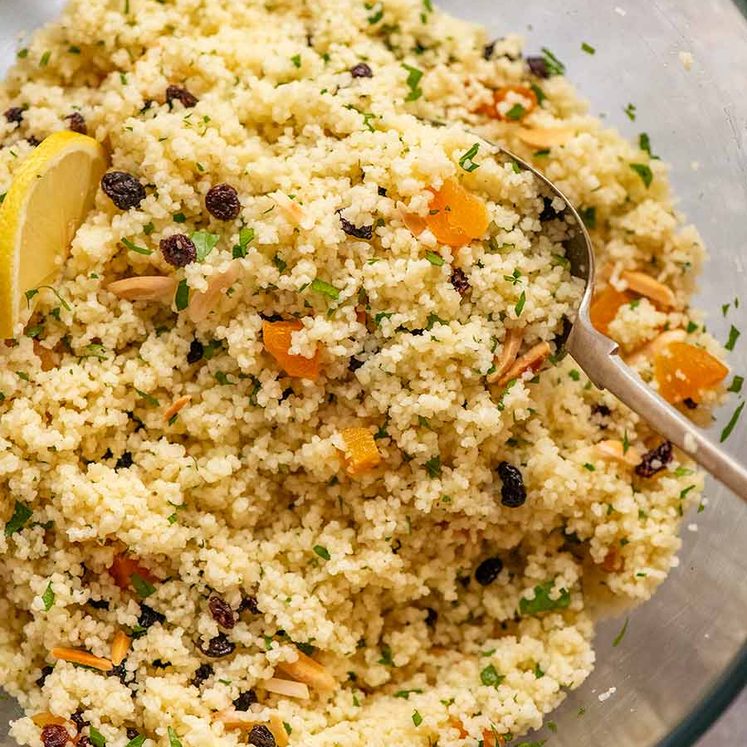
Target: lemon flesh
48	199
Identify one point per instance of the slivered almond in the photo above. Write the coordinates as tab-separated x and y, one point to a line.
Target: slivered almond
509	351
290	208
546	137
530	361
144	288
49	358
84	658
203	303
120	646
176	406
414	223
614	449
653	348
45	718
647	286
310	672
289	688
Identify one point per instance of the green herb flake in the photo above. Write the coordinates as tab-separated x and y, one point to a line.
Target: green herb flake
222	378
136	741
516	112
44	60
575	375
322	552
520	303
135	248
736	384
148	229
538	671
644	143
181	299
413	82
143	588
542	601
149	398
406	693
590	467
96	737
734	334
621	634
585	47
732	423
296	60
21	514
22	54
417	719
542	153
467	160
685	491
433	467
541	96
325	288
280	263
386	656
35	331
434	258
246	236
490	677
48	597
179	218
173	738
644	172
630	111
589	216
691	327
204	242
375	17
552	63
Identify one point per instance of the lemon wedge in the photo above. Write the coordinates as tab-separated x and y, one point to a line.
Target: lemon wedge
49	197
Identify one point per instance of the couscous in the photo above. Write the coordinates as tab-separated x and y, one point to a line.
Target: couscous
288	453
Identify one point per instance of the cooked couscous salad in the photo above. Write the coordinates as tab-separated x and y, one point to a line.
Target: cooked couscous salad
288	451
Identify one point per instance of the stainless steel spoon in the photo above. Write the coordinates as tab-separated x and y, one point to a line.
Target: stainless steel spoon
599	357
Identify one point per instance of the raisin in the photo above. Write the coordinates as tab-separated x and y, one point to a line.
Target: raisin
120	673
125	461
178	93
359	232
271	317
78	720
149	617
601	410
261	736
459	280
202	673
76	123
178	250
222	612
488	571
361	70
132	733
55	735
123	189
45	672
431	617
196	351
14	114
548	211
249	604
244	700
488	49
538	67
354	364
513	492
222	202
33	141
218	647
691	404
655	460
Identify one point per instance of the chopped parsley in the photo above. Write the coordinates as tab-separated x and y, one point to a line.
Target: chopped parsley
520	303
148	229
173	738
590	467
296	60
386	656
732	422
413	82
589	216
288	728
142	587
406	693
279	263
325	288
246	236
136	741
376	16
621	634
204	242
516	112
490	677
31	293
94	735
433	466
644	172
575	375
322	552
135	248
644	143
542	601
733	337
736	384
541	96
434	258
691	327
585	47
538	671
467	160
48	597
222	378
552	63
417	719
181	299
149	398
179	218
44	60
630	110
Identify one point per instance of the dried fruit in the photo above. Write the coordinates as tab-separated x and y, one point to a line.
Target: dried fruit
655	461
218	647
261	736
221	612
178	250
77	123
488	571
249	604
538	67
124	567
277	337
456	216
123	189
359	232
55	735
459	281
605	306
361	70
515	113
361	452
14	114
245	699
684	371
513	492
196	352
222	202
149	617
178	93
202	673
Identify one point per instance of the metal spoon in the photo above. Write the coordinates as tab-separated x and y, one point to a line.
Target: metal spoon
599	357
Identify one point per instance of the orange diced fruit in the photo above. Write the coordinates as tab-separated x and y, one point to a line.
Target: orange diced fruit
45	718
518	113
456	217
605	306
124	567
360	450
683	371
277	338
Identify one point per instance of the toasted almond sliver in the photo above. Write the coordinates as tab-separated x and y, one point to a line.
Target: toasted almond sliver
144	288
86	659
530	361
613	449
45	718
49	358
306	670
290	208
509	351
656	346
176	406
647	286
203	303
289	688
120	647
546	137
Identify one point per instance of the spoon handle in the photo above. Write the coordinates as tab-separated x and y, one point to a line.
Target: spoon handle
599	358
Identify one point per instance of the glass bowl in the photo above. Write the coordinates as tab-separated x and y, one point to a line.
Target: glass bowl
684	656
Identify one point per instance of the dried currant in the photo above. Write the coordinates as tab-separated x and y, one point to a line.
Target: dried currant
202	673
245	700
459	281
655	460
124	461
221	612
222	202
488	571
513	492
538	67
359	232
361	70
218	647
123	189
149	617
55	735
261	736
76	123
14	114
196	352
178	250
178	93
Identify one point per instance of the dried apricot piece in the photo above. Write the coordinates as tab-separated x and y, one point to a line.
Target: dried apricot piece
124	567
456	216
605	306
515	112
683	371
277	337
360	450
